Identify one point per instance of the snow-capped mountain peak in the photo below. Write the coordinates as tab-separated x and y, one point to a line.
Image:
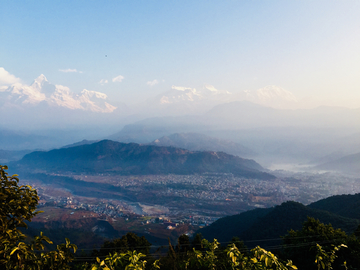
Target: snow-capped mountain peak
90	94
180	88
39	82
271	95
40	79
273	92
95	101
211	88
56	95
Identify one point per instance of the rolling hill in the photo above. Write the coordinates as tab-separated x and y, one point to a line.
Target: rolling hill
344	205
265	226
126	159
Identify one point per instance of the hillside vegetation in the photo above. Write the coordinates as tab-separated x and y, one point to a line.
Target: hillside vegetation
249	226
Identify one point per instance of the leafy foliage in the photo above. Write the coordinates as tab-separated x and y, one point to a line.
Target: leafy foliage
303	245
131	260
213	257
129	241
325	259
17	205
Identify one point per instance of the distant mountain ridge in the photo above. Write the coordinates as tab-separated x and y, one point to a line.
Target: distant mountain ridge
83	142
7	155
248	114
114	157
240	115
181	100
348	164
19	141
201	142
185	100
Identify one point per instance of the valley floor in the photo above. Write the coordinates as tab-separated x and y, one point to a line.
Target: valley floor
157	205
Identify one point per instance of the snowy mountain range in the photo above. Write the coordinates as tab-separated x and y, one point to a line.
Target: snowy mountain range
272	96
186	100
42	92
183	100
178	100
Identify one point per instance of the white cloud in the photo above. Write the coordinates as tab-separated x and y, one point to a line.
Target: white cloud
6	78
70	70
180	88
152	83
103	81
118	78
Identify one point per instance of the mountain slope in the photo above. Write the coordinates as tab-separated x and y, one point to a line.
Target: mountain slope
265	226
201	142
348	164
247	114
114	157
184	100
344	205
17	140
7	155
83	142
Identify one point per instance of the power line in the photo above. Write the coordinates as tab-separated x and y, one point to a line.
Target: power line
223	242
217	251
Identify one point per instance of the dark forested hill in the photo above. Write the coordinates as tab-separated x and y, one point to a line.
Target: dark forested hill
265	226
344	205
114	157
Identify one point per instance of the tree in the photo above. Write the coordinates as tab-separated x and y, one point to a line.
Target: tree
197	242
301	246
325	259
129	241
17	205
183	244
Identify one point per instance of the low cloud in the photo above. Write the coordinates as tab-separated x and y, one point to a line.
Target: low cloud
152	83
180	88
6	78
118	78
70	70
103	81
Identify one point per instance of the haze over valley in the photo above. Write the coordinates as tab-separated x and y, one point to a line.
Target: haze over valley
167	119
186	155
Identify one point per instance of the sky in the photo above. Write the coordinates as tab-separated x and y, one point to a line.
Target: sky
134	50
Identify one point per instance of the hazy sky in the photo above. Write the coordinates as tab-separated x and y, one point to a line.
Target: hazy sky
132	50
